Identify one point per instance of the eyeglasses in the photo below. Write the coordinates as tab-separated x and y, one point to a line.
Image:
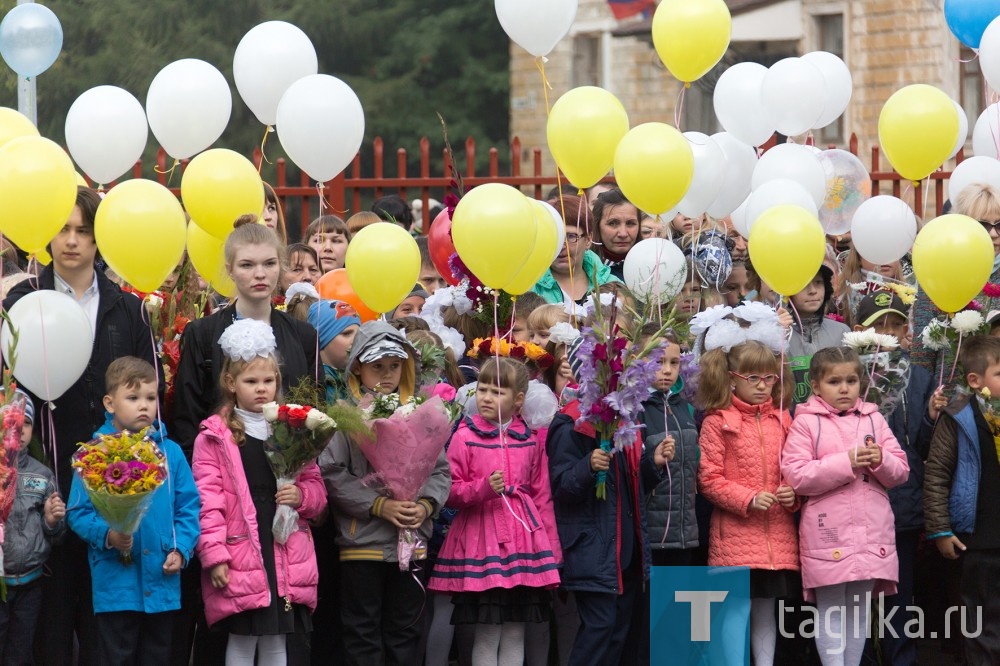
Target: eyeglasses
573	239
991	226
754	380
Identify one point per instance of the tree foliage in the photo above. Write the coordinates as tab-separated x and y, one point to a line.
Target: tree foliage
406	60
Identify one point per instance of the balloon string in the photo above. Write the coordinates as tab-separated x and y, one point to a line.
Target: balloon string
169	172
546	86
679	106
263	155
954	365
324	203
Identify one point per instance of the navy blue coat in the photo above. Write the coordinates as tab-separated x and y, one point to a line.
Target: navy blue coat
590	528
913	429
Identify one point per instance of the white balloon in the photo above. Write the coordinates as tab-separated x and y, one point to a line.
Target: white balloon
560	227
986	134
320	125
536	26
106	132
709	174
739	219
55	339
883	229
269	58
777	193
989	54
655	270
839	85
794	95
974	170
740	162
795	162
963	128
739	105
188	106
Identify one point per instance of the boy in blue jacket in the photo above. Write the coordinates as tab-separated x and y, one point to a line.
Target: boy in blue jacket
133	603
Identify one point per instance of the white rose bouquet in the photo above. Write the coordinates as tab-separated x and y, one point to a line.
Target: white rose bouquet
886	368
298	435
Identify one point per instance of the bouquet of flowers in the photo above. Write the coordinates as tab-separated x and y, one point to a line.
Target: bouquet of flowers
946	334
615	375
407	439
887	368
120	473
299	433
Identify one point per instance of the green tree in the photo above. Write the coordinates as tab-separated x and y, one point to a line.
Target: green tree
406	60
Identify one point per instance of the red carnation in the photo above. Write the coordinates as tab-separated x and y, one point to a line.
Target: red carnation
991	290
545	362
485	347
517	352
283	413
297	417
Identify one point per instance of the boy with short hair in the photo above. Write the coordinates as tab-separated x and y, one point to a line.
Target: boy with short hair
962	491
133	603
429	276
524	305
912	423
36	522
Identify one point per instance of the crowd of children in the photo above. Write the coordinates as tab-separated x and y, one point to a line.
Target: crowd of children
761	446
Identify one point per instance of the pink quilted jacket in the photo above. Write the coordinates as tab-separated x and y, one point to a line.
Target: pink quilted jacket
229	530
740	447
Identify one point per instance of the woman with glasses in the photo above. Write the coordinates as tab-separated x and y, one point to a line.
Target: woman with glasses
577	271
980	202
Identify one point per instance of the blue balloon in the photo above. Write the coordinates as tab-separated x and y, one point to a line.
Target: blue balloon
30	39
967	19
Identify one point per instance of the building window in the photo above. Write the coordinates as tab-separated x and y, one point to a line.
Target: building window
586	60
830	32
971	92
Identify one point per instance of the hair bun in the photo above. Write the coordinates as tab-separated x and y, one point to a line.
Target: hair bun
248	218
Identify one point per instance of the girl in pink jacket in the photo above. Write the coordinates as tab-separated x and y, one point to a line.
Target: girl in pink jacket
841	456
502	551
259	589
741	440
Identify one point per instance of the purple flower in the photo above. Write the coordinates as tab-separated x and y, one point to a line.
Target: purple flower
117	474
625	434
136	469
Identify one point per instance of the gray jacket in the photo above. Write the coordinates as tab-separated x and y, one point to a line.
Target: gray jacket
815	333
360	534
28	540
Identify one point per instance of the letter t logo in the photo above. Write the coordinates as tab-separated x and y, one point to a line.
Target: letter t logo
701	611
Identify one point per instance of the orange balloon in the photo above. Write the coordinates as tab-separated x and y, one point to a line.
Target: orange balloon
335	286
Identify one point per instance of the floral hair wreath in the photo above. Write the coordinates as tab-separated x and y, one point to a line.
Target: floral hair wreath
247	339
721	327
485	347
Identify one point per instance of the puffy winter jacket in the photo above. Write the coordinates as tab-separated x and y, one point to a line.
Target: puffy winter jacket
912	428
229	531
171	523
670	505
28	539
740	449
846	531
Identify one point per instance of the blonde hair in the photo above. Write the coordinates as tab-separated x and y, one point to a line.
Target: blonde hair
407	379
298	306
546	316
715	383
247	231
452	373
232	369
979	201
505	373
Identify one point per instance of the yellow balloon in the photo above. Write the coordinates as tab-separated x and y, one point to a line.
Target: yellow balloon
494	232
14	125
218	186
917	130
953	260
654	166
38	190
43	257
140	229
583	130
207	257
691	36
383	264
787	247
546	238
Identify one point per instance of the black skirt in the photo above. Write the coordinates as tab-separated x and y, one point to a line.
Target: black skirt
499	605
273	619
777	584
